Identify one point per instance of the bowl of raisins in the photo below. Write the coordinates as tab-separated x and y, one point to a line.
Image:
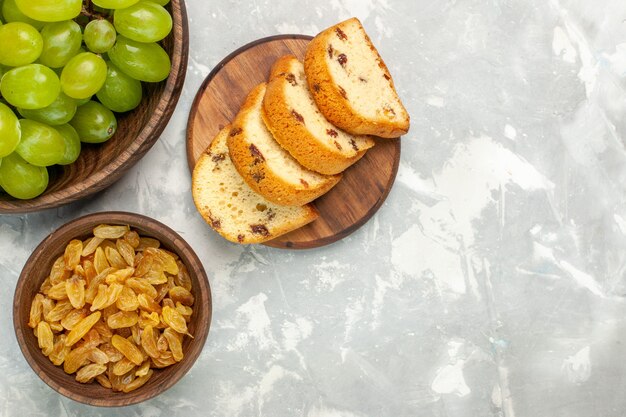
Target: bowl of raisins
112	309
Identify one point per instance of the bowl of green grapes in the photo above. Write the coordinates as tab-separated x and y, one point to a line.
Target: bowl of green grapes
86	89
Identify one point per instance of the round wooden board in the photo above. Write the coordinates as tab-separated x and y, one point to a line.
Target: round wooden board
343	209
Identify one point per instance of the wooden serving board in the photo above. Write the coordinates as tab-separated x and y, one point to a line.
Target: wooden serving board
346	207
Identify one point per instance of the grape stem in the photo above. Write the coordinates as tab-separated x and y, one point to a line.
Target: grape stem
90	13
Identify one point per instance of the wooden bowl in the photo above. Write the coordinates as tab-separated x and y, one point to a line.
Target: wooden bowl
101	165
37	269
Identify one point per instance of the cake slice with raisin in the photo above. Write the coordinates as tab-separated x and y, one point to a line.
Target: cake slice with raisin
296	123
351	84
269	169
232	208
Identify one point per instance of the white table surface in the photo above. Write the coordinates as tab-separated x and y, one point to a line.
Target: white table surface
491	282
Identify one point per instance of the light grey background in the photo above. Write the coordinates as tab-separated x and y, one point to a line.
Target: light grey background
492	281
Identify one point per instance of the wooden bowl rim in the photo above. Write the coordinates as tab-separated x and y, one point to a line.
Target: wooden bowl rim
146	138
150	227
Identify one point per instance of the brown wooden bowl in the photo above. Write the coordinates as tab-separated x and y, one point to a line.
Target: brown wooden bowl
37	269
101	165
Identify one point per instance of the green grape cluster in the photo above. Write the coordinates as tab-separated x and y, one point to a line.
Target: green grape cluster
65	67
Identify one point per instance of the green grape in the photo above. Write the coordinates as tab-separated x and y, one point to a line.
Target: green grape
143	22
61	41
72	144
41	145
142	61
94	123
120	92
32	86
10	132
21	179
59	112
84	75
161	2
114	4
99	36
12	13
21	44
50	10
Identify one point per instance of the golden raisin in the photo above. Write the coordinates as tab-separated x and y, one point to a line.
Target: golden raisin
173	340
36	310
72	254
174	319
122	319
137	382
45	338
141	286
58	291
72	318
132	238
75	289
126	250
148	304
104	381
147	242
100	261
88	372
60	310
59	273
181	295
123	367
128	349
114	258
59	351
90	246
75	359
127	301
105	231
149	342
82	328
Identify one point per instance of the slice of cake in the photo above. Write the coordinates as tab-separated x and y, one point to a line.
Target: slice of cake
269	169
232	208
351	84
296	123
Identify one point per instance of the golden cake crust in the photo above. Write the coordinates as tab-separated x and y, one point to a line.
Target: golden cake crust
253	166
245	227
289	125
333	99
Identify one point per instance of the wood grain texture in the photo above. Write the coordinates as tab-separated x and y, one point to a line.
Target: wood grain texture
99	166
36	270
346	207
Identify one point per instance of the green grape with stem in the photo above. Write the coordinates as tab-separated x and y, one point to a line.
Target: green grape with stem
94	123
